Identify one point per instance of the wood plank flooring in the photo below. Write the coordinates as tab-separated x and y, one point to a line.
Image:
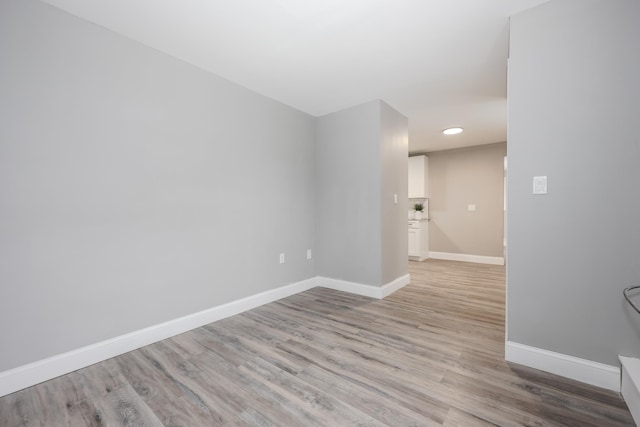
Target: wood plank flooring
431	354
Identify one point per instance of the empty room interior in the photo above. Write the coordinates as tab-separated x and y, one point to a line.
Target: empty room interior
203	213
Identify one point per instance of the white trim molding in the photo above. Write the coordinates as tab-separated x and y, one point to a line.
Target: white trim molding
395	285
371	291
478	259
350	287
46	369
630	385
24	376
586	371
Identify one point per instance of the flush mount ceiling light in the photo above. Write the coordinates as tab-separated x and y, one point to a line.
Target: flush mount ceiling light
452	131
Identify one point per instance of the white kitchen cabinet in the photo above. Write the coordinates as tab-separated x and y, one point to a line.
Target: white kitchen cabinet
414	242
418	177
419	240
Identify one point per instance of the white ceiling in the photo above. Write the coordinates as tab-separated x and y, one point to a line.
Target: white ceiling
440	63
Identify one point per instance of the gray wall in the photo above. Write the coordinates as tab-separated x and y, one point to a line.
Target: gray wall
348	195
361	161
394	146
458	178
574	104
135	188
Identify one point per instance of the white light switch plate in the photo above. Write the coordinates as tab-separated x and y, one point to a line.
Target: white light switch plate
471	208
539	185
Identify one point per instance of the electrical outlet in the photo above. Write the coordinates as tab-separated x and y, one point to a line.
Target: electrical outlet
308	253
471	208
281	258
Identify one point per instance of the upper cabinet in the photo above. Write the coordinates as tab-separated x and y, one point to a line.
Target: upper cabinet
418	177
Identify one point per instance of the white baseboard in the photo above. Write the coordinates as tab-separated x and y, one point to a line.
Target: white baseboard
370	291
46	369
351	287
583	370
479	259
394	285
630	385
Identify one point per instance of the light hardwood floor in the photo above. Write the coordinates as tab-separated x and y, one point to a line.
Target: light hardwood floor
431	354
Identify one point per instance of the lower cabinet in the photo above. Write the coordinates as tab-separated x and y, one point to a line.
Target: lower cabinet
414	242
418	240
